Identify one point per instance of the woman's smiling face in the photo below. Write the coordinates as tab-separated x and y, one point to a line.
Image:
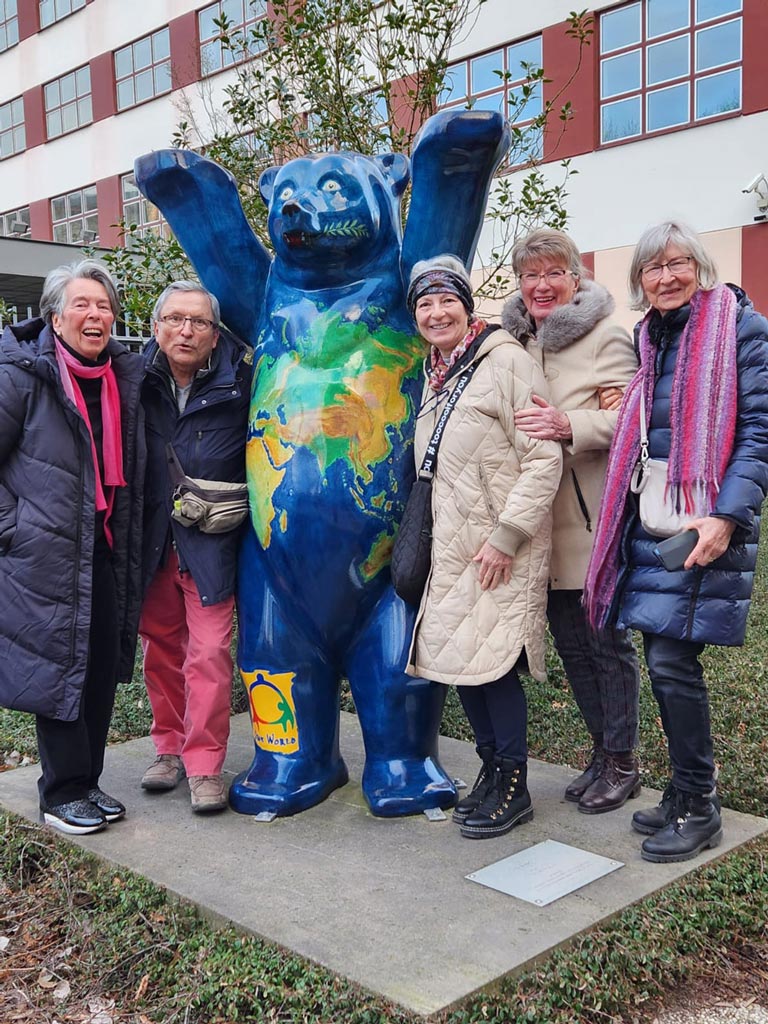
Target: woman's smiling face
545	286
442	320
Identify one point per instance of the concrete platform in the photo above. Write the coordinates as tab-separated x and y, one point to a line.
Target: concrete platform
383	902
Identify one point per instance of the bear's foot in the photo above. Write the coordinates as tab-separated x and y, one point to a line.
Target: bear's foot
284	785
409	785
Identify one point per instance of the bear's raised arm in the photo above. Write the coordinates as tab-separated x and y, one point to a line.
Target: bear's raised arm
199	200
454	159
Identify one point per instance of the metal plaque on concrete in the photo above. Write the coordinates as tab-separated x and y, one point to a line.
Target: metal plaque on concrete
545	872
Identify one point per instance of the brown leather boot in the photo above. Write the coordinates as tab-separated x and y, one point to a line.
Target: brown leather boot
576	789
618	781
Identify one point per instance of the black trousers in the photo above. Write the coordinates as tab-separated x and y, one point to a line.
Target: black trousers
72	753
498	714
677	680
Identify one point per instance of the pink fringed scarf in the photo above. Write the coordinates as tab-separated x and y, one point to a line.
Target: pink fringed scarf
703	408
70	369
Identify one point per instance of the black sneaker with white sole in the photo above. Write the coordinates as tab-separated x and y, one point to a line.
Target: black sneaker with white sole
112	809
77	818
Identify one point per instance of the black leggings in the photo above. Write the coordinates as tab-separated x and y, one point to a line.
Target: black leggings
498	714
72	753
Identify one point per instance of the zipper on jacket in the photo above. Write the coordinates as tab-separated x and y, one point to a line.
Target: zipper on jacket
487	494
582	503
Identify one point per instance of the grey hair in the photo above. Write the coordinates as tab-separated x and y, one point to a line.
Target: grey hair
547	244
444	262
652	246
186	286
52	300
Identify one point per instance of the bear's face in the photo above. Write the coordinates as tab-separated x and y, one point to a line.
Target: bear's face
333	209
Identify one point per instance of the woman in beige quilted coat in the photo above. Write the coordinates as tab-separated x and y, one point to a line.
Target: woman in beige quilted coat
485	602
565	322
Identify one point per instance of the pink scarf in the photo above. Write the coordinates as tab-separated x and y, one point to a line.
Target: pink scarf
439	368
702	417
70	369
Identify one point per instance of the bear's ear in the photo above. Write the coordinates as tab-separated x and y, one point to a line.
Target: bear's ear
266	184
396	168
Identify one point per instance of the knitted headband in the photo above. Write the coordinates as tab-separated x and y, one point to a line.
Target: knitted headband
431	282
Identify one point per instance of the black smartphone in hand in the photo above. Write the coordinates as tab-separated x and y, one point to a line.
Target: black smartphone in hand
673	551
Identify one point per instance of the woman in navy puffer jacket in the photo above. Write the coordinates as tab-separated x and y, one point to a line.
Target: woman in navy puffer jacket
704	375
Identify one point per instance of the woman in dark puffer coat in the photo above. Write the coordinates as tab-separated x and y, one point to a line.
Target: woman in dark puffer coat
72	456
704	375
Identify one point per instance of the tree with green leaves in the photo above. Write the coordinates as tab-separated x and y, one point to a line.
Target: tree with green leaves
360	75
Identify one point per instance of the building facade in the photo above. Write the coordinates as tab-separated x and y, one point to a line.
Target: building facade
669	114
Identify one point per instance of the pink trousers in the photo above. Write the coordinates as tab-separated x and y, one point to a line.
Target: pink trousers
187	670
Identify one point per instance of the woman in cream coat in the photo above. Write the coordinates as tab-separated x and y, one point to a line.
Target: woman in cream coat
564	320
484	604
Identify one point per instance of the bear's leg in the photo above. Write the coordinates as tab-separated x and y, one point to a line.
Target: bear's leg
399	717
294	702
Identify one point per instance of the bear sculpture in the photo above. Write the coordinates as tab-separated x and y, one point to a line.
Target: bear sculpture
337	382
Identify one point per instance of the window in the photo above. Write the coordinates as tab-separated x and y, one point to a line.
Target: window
141	216
13	138
668	63
68	102
15	223
74	216
143	69
241	16
9	24
502	80
55	10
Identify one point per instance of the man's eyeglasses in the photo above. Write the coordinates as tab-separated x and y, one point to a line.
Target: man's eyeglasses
530	277
197	323
679	265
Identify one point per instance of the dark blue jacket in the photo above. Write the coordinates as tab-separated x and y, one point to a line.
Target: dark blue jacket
708	605
209	440
47	518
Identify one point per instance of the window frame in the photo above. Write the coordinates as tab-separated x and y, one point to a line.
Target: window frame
76	101
152	66
691	78
70	219
6	22
205	42
145	224
14	127
57	17
20	215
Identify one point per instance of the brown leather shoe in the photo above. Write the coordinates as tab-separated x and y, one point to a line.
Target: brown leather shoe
208	793
576	789
618	781
165	772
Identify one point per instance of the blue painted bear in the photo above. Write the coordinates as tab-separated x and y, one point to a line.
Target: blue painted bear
337	380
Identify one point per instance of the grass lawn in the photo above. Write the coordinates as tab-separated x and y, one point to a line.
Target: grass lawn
120	951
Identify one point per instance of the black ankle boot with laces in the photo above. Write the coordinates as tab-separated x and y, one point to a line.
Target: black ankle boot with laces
507	804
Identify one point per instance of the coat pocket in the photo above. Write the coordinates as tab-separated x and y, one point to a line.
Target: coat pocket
485	489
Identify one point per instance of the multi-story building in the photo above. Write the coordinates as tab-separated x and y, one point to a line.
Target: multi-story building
669	113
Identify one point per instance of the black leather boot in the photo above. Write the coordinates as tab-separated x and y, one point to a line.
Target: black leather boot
694	825
481	788
575	790
507	804
651	820
618	781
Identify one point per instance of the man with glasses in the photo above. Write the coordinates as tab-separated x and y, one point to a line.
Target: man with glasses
196	393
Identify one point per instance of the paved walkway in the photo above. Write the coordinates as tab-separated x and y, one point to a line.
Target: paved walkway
385	903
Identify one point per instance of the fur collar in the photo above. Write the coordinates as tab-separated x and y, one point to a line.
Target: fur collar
565	324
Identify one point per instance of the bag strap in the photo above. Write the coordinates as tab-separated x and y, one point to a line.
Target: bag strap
643	427
175	471
429	463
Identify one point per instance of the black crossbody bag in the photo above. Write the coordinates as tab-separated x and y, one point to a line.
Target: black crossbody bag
412	553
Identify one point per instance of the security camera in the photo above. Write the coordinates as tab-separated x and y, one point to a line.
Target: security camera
753	186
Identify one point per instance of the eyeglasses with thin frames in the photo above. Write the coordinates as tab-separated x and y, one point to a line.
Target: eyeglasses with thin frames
530	277
679	265
197	323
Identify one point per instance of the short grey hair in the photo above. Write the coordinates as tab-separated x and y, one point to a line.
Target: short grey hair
651	248
187	286
52	300
547	244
